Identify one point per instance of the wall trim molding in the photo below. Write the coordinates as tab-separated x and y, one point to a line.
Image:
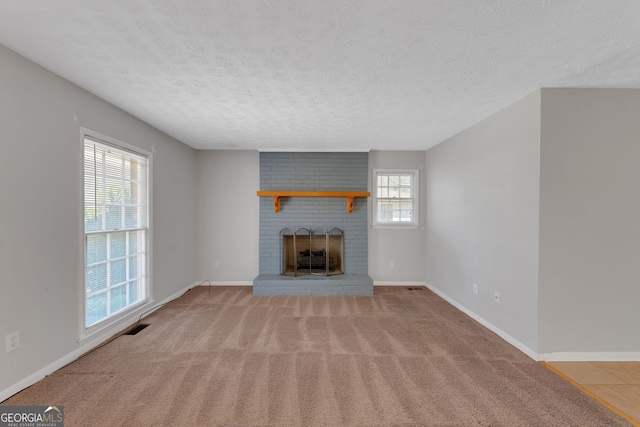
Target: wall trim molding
385	283
591	356
502	334
85	346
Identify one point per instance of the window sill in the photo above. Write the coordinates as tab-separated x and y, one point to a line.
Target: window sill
396	226
116	321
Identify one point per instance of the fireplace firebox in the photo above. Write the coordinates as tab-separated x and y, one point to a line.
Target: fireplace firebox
312	251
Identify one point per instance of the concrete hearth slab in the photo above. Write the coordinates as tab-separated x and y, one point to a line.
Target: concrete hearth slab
343	284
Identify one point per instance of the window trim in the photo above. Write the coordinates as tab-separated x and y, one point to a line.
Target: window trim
135	309
415	223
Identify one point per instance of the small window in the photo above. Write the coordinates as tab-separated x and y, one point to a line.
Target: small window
395	197
116	229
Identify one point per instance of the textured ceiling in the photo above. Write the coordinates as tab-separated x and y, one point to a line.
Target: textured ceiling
324	75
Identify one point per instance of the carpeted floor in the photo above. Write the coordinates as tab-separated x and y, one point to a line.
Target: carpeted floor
223	357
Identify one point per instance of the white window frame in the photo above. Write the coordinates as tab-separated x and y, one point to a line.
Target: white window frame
415	213
137	308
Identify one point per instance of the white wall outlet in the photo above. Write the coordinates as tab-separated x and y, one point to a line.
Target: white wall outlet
392	264
13	341
475	289
216	264
496	297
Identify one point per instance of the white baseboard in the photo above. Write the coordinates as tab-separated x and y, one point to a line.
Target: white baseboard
502	334
408	284
566	356
216	283
84	347
598	356
40	374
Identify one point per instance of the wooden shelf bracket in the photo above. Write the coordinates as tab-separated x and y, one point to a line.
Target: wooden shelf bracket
349	195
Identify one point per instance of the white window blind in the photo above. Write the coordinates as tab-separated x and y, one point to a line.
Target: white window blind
116	229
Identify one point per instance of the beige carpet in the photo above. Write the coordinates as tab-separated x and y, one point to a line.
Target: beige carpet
223	357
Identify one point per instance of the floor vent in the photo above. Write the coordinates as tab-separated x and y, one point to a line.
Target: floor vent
136	329
415	289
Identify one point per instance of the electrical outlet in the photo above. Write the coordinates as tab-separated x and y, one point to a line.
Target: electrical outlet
475	289
13	341
496	297
392	264
216	264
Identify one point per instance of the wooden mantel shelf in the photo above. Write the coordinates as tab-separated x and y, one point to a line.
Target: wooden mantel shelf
350	195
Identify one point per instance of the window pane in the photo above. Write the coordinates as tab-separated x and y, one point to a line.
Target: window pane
385	211
92	205
114	218
130	169
96	308
118	298
394	181
118	245
113	191
133	291
92	219
405	193
131	217
405	180
406	210
114	166
118	271
396	210
405	204
130	192
96	248
133	242
133	266
96	278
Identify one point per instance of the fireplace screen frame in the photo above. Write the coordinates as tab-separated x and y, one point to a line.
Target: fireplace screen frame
312	251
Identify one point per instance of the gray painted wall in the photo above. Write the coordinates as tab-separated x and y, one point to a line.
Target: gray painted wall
589	221
404	246
227	215
40	220
482	197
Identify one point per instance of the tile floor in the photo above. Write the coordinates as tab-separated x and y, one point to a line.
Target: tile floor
617	383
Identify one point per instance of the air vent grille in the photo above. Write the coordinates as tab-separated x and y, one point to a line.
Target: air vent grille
136	329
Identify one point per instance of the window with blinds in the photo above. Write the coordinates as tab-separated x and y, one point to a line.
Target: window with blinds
115	229
395	197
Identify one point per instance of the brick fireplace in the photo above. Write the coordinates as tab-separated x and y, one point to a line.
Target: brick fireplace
313	172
